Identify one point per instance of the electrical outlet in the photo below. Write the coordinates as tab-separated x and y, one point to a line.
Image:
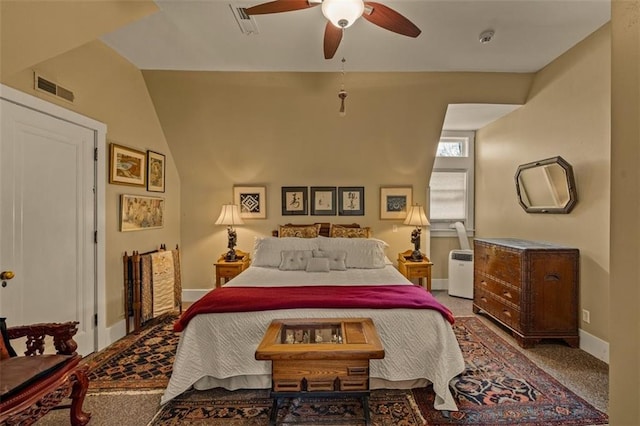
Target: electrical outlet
395	228
586	316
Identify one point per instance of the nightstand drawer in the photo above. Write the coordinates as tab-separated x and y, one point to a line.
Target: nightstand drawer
228	271
418	271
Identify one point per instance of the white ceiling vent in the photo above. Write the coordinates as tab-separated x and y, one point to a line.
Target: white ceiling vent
41	84
247	23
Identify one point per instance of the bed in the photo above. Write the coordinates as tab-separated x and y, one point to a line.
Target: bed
221	331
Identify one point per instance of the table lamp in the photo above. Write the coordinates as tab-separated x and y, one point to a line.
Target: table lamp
417	218
230	215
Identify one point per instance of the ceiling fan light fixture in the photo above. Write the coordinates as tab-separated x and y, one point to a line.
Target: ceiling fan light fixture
342	13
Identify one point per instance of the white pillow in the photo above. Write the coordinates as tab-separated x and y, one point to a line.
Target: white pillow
318	264
266	250
363	253
336	259
294	260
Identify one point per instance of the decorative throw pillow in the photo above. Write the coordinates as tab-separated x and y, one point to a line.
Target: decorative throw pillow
342	232
267	250
318	264
336	258
299	231
363	253
295	260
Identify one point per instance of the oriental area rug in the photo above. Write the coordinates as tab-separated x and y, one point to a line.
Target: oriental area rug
500	386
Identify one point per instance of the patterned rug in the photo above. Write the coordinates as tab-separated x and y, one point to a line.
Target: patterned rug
141	361
500	386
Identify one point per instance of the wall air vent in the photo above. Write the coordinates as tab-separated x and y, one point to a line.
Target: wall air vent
41	84
247	23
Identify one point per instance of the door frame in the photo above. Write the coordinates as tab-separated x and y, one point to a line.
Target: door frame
100	134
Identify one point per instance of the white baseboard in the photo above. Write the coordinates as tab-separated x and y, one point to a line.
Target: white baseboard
594	345
191	295
440	284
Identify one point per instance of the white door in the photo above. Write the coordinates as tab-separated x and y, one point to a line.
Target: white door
47	221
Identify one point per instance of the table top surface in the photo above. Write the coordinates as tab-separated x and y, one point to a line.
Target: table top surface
320	338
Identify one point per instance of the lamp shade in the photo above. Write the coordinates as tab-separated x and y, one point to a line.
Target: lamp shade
230	215
416	216
342	13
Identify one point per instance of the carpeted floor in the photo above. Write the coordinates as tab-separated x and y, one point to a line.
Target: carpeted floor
500	386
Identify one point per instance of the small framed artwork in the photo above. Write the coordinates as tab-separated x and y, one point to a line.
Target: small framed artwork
323	201
252	201
351	201
395	202
294	200
155	171
138	213
127	166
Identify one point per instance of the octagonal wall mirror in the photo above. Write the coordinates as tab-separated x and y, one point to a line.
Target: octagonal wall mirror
546	186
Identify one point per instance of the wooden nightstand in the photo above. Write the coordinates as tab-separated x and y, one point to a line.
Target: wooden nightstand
420	270
227	270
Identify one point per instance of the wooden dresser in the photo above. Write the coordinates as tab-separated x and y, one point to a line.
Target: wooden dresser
528	286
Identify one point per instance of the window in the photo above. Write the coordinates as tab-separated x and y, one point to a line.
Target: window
451	184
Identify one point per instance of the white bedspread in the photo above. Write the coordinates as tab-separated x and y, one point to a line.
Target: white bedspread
218	350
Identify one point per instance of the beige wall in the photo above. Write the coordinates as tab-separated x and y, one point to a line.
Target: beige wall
567	114
283	129
111	90
624	392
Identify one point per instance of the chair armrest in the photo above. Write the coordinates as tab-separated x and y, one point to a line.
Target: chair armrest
62	334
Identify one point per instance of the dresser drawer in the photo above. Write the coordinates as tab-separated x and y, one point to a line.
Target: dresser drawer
509	315
499	262
500	290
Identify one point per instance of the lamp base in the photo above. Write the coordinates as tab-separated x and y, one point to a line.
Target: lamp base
416	256
230	256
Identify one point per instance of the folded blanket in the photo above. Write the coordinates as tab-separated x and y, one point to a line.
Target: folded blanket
251	299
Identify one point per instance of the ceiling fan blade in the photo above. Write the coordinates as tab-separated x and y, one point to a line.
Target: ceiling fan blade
389	19
332	39
278	6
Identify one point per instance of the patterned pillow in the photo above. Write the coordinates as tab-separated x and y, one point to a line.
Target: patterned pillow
338	231
299	231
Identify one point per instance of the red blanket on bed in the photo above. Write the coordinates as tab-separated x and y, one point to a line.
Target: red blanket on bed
250	299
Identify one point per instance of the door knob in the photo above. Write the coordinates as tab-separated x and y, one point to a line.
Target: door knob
6	275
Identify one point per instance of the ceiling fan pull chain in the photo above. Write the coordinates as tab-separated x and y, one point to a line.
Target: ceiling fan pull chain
342	94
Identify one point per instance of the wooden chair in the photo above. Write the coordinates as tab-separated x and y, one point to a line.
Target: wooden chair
34	383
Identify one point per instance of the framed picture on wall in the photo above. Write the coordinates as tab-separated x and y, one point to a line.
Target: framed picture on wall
155	171
127	166
323	201
138	213
294	200
252	201
351	201
395	202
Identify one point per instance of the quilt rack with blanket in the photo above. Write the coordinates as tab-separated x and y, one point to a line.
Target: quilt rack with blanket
152	285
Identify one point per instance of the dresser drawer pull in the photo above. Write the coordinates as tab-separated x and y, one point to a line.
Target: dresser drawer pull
357	371
507	313
483	282
484	299
507	294
552	277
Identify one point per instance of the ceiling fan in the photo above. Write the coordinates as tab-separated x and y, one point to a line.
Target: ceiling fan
342	14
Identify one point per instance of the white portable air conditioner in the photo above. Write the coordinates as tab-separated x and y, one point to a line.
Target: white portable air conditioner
461	273
461	266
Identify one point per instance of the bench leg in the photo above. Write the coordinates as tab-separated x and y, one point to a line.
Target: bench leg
78	392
